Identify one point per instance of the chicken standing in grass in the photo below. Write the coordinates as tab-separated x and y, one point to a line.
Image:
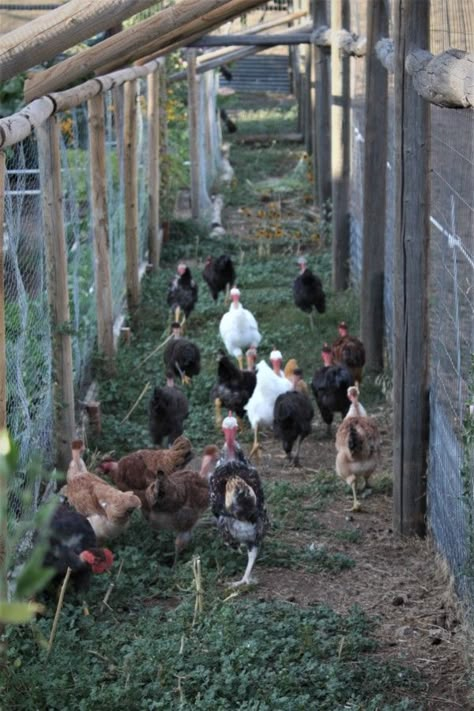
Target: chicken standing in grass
329	386
234	387
308	292
107	509
238	328
181	356
357	445
237	499
176	501
182	293
219	275
271	382
137	470
167	410
292	417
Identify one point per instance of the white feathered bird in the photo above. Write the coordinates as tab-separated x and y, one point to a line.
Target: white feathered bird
261	405
238	328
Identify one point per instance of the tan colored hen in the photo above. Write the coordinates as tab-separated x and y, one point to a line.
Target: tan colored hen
176	501
357	445
107	509
136	471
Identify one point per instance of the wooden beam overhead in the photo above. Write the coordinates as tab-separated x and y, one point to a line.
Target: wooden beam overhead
166	30
53	32
300	36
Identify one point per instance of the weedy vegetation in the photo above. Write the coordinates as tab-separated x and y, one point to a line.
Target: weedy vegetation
146	648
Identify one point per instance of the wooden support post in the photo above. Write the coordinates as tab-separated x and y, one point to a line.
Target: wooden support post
131	197
100	227
56	258
340	150
153	170
322	175
3	355
193	120
308	121
163	139
410	367
375	158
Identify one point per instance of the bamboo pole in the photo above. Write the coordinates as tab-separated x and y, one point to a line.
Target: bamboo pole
164	158
168	29
322	175
57	281
410	367
3	355
153	227
375	158
300	35
46	36
131	197
100	227
193	122
340	152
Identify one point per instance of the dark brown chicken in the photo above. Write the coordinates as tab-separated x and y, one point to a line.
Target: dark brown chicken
350	352
136	471
176	501
219	275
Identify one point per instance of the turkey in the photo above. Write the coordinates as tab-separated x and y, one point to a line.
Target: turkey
181	356
308	293
238	328
358	446
292	417
349	351
219	275
167	410
260	407
329	386
237	499
182	293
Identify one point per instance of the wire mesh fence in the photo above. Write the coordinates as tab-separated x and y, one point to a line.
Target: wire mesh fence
451	296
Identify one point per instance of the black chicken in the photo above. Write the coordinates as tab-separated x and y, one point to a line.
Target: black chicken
329	386
228	123
234	387
167	410
182	292
181	356
237	500
292	417
72	544
219	274
308	293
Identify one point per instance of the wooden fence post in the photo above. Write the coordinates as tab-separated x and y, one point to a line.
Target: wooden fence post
321	58
100	226
3	355
153	170
164	157
340	149
131	197
56	259
375	158
410	367
193	120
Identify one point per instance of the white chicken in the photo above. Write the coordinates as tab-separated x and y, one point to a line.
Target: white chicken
238	328
260	407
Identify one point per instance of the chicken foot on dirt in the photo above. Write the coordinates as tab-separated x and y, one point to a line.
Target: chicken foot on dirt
247	580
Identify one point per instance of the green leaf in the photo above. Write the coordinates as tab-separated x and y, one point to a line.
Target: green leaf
17	613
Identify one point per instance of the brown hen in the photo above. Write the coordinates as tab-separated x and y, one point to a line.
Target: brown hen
349	351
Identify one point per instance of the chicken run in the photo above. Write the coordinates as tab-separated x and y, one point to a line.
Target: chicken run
228	538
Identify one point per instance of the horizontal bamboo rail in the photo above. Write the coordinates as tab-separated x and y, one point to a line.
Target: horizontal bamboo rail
17	127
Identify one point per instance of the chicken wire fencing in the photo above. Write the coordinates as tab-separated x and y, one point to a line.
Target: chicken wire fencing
451	289
28	330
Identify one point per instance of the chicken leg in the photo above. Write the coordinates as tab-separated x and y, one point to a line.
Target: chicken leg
296	458
240	361
356	505
256	447
177	314
218	412
181	541
227	294
252	552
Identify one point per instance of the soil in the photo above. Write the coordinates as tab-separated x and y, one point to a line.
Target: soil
404	584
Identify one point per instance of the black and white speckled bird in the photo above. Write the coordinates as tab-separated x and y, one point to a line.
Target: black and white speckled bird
237	499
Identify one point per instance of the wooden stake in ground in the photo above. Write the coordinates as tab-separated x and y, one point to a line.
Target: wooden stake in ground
58	611
198	606
130	178
193	121
153	114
